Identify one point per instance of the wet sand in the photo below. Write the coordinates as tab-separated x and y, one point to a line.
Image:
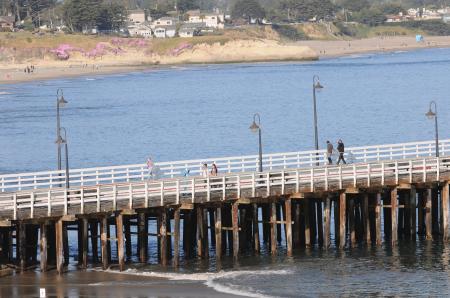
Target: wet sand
101	284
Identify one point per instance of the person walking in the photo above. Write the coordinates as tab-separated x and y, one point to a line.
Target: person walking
214	170
329	152
205	170
341	150
150	165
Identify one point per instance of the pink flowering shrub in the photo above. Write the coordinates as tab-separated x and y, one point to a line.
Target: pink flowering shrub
176	51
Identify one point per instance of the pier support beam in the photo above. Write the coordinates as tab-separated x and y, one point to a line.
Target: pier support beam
288	225
351	221
59	246
394	228
84	242
235	224
256	245
93	226
22	245
273	228
143	237
127	233
366	219
104	241
163	236
327	220
378	219
342	219
218	234
413	204
307	223
120	244
43	247
428	205
319	221
176	237
445	214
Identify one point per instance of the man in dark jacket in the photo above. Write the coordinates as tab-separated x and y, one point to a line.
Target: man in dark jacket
329	152
341	150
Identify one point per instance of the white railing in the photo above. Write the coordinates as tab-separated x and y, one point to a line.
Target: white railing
150	193
249	163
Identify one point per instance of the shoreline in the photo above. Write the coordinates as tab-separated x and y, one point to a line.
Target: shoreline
93	283
324	49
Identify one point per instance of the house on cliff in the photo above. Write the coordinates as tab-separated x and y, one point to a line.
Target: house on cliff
7	23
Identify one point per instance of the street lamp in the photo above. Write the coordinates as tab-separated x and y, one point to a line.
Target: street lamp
256	128
61	141
430	115
316	86
60	103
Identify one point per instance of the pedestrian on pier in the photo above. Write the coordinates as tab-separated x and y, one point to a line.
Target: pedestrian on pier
205	170
341	150
150	166
214	170
329	152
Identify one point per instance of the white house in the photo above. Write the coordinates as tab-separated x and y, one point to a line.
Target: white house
165	21
165	31
190	29
136	17
141	30
211	19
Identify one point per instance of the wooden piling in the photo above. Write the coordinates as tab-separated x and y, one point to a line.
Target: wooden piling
65	243
445	215
143	237
120	244
327	221
43	247
378	219
22	245
428	227
278	219
288	225
319	221
306	213
127	234
351	221
273	228
235	225
212	230
366	218
296	227
59	246
342	219
176	237
218	232
93	226
435	211
421	212
104	241
394	209
256	245
412	205
84	243
163	236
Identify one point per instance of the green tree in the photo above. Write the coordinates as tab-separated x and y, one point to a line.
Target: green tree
303	10
371	17
111	16
247	9
392	8
185	5
355	5
79	14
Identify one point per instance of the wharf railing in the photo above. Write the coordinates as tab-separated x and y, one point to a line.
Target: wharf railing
248	163
151	193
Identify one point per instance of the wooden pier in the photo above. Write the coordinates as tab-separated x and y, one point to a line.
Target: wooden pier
364	203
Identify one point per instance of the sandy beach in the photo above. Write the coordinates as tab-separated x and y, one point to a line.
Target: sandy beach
101	284
232	52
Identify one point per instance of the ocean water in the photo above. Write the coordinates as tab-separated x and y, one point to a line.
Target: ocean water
200	111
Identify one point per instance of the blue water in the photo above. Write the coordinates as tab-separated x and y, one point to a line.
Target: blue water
191	112
204	111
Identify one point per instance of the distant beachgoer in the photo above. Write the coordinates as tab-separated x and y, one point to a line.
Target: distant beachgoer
150	166
214	170
341	150
205	170
329	152
186	172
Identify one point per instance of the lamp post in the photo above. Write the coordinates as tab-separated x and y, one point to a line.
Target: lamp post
61	141
60	103
316	86
430	115
256	128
